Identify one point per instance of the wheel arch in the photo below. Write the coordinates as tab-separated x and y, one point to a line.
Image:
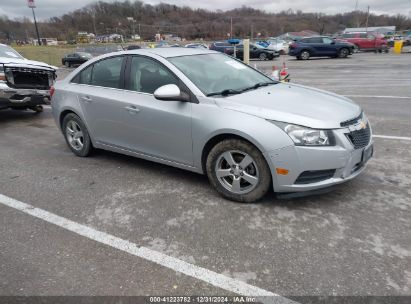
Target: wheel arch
63	114
216	138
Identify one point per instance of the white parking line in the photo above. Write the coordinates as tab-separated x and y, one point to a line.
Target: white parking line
203	274
392	137
379	96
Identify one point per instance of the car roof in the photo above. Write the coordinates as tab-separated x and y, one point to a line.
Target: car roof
171	52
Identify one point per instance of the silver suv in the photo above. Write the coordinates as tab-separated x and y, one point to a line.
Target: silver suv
206	112
24	84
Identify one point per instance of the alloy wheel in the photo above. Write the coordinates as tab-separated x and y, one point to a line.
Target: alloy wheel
74	135
237	172
305	55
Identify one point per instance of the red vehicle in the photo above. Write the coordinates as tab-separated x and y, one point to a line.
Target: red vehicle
367	41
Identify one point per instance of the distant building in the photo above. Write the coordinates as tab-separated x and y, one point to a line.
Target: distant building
378	29
298	35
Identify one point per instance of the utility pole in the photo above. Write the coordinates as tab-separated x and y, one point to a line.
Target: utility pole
32	5
93	14
231	27
366	22
252	32
357	15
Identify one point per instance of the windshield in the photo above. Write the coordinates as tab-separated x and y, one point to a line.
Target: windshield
8	52
213	73
257	46
83	54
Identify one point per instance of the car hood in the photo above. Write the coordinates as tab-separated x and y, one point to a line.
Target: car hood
25	63
294	104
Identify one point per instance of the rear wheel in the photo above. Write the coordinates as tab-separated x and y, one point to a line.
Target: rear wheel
76	135
343	53
67	64
238	171
305	55
262	56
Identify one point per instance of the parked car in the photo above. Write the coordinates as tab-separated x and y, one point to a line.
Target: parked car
278	45
196	45
133	47
320	46
256	52
76	58
24	84
205	112
221	46
366	41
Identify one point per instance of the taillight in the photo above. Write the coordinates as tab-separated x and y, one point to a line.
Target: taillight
52	90
2	75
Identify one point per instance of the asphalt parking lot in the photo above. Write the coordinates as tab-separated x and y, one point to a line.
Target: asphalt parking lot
352	241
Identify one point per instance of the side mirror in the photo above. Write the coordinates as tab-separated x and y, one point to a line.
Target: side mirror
171	92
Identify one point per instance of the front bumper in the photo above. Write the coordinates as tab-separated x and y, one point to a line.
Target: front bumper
22	98
343	158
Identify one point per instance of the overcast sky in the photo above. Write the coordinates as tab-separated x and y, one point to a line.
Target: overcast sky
51	8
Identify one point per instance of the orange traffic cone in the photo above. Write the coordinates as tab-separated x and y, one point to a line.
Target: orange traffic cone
284	75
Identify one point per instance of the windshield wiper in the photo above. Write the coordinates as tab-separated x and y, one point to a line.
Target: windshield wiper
225	92
259	85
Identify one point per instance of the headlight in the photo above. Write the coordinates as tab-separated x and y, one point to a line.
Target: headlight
303	136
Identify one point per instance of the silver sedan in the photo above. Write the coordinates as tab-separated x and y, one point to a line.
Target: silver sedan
206	112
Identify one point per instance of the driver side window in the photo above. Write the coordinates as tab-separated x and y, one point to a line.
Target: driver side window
147	75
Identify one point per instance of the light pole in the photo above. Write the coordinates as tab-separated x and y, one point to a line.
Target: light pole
32	5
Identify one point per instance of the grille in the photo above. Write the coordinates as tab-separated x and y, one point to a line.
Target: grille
360	138
308	177
25	78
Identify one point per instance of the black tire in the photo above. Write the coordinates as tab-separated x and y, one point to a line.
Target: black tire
259	165
38	109
67	64
305	55
343	53
87	146
262	56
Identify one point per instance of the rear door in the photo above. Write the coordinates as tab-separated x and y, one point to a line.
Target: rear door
99	91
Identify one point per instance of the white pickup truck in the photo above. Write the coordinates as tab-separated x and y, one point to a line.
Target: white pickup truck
24	84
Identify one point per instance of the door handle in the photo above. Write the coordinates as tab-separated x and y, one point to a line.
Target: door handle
132	109
86	98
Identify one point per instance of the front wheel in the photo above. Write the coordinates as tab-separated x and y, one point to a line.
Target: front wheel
343	53
262	56
238	171
67	64
76	135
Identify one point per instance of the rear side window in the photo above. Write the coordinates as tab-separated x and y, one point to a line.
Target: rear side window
315	40
363	35
147	75
84	76
107	73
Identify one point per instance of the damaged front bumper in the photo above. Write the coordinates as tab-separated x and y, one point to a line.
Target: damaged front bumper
22	98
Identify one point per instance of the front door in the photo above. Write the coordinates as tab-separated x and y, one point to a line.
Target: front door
155	127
